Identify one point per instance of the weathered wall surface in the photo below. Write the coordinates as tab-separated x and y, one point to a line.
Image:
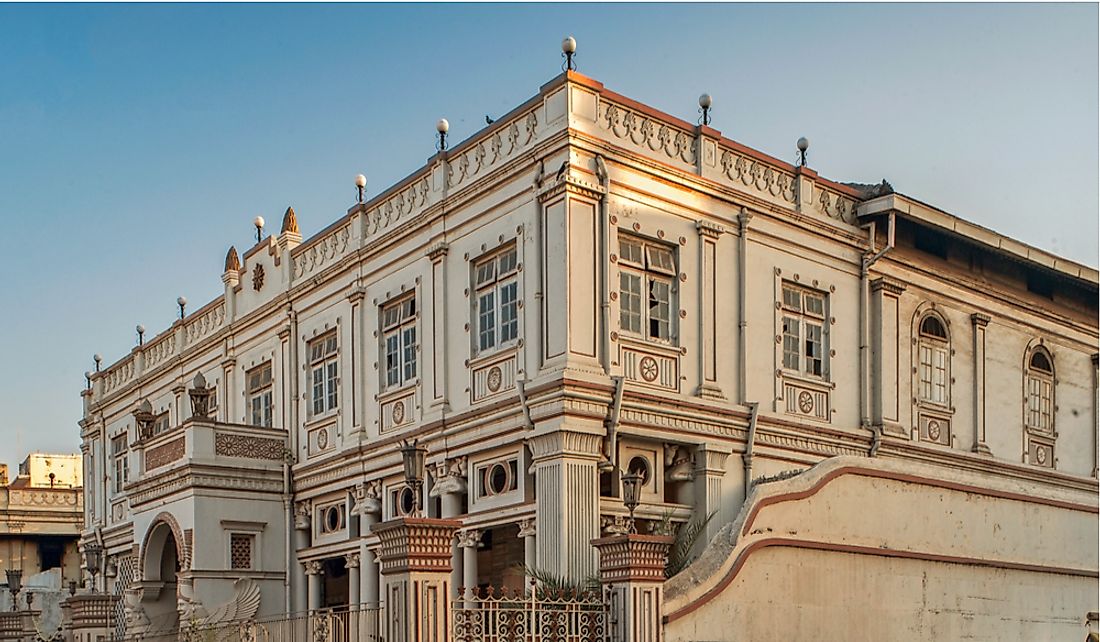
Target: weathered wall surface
859	549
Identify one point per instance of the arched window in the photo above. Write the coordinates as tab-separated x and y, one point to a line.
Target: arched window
933	354
1039	412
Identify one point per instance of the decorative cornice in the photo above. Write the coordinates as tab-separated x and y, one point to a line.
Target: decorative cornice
709	230
438	251
567	183
979	320
888	286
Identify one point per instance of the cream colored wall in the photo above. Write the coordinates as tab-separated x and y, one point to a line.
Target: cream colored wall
67	469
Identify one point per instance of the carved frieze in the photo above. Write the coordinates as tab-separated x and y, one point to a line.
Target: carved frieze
247	446
164	454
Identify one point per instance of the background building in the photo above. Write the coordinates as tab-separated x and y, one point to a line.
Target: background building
588	287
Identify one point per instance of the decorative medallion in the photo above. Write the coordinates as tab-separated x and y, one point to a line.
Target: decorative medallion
257	277
805	402
649	368
493	379
1041	455
397	413
933	430
322	439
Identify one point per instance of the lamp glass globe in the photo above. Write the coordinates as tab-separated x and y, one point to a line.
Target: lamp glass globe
705	101
442	126
258	221
803	144
181	300
360	180
569	45
140	329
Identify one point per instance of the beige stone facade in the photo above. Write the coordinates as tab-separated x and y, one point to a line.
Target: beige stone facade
589	286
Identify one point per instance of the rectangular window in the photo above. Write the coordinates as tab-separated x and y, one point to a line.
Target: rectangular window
240	551
121	463
496	280
399	341
804	330
654	265
1039	404
258	381
324	373
160	423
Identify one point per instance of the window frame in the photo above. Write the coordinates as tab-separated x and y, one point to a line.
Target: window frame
930	374
265	389
494	285
797	343
120	462
327	363
645	269
406	320
1041	381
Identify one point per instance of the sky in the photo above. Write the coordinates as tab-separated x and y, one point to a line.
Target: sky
137	142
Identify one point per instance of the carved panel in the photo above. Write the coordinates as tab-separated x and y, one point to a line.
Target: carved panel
205	324
324	251
322	439
1040	450
651	368
397	412
934	428
493	378
231	445
805	400
164	454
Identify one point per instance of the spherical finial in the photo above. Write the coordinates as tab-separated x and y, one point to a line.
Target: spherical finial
360	181
181	301
258	222
87	374
98	358
569	45
705	101
803	144
140	329
442	126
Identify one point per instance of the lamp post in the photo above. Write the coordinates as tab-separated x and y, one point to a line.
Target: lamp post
632	489
360	185
15	584
93	555
441	128
413	456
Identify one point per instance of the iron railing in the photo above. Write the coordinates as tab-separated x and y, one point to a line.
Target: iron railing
356	624
489	615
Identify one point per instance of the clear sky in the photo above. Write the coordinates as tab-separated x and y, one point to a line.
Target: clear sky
137	142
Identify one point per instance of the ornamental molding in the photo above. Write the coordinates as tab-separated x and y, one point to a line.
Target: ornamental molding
438	251
650	134
527	528
709	230
565	443
887	285
566	183
979	320
190	476
351	560
468	538
248	447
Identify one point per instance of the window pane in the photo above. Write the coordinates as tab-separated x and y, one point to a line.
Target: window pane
486	320
791	354
408	309
815	305
792	299
630	302
392	359
485	273
659	309
509	319
409	338
660	259
390	317
814	350
331	384
318	390
630	250
507	261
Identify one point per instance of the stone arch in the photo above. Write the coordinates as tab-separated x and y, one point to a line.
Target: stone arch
152	545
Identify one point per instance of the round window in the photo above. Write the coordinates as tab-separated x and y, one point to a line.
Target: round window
332	519
405	501
498	478
639	466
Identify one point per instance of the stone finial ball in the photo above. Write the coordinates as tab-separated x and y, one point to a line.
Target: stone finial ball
705	101
258	221
360	180
87	374
569	45
181	301
442	126
97	357
803	144
140	329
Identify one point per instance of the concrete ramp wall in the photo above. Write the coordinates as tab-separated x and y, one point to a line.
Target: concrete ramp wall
863	549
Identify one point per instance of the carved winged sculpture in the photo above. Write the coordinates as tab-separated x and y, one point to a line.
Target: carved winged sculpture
136	619
243	606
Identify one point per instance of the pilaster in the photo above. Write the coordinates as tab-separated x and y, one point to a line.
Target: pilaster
979	323
710	469
709	234
632	567
885	377
415	554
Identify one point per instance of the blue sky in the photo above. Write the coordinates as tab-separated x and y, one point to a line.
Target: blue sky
138	141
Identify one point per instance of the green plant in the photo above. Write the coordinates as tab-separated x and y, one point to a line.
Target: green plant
680	555
551	585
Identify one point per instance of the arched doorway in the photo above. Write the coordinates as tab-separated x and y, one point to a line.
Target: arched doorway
161	566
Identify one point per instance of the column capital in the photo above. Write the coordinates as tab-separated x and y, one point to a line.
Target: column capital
567	443
744	217
449	477
711	460
527	528
709	230
979	320
416	544
631	558
889	286
437	251
351	560
367	498
314	567
469	538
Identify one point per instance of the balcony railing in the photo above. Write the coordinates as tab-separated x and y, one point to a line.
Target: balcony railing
489	615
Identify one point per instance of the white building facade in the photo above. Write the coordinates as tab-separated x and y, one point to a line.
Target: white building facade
586	286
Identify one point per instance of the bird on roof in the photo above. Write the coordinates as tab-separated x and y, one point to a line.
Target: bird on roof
488	120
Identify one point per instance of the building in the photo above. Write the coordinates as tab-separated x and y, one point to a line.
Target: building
586	287
41	515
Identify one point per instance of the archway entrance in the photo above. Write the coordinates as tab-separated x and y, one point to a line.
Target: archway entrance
160	582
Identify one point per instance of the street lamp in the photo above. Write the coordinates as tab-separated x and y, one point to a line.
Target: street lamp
413	456
632	490
15	584
93	555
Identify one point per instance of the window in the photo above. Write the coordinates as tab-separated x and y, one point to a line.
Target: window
496	284
399	341
160	423
240	551
803	330
497	478
333	518
324	378
1040	391
933	351
258	388
121	463
646	273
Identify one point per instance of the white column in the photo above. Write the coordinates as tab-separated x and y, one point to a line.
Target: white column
351	562
468	541
449	487
530	550
298	578
368	572
314	573
368	506
1095	414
